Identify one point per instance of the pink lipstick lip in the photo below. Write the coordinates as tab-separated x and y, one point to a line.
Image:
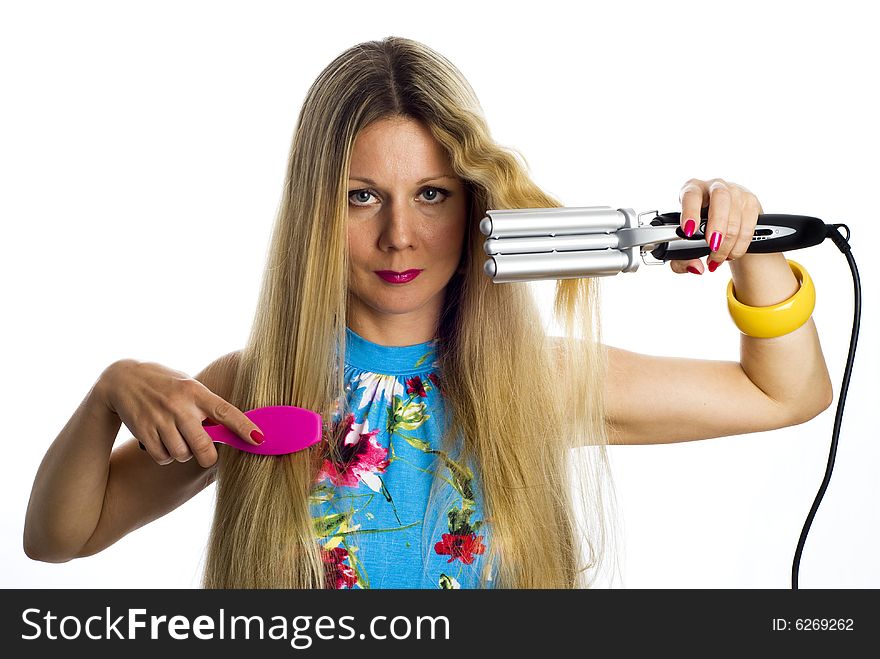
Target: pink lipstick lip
398	277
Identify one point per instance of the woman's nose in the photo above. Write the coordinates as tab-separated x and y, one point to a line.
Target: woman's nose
398	225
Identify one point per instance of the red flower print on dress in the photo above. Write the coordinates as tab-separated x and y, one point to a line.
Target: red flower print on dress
338	574
414	386
462	547
360	458
433	377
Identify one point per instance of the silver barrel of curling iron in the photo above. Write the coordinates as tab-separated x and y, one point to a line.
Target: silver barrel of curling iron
556	243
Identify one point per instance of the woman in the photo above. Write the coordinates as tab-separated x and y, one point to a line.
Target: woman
448	459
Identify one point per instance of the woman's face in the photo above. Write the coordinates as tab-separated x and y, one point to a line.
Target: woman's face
406	211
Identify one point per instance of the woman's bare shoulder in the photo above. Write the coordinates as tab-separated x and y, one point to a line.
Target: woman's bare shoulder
219	375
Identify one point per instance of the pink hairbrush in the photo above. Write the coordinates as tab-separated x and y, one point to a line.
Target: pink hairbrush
286	428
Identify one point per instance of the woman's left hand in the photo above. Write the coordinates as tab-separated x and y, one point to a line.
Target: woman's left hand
733	216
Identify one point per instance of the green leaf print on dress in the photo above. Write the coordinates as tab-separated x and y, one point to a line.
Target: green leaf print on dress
361	458
462	541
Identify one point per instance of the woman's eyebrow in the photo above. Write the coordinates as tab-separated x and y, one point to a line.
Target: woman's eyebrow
429	178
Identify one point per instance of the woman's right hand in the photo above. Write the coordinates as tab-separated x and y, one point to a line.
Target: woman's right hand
164	410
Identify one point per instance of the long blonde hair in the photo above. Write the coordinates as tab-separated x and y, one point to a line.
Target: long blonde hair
537	435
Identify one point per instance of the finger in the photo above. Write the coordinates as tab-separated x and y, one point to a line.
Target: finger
174	443
716	225
200	444
154	446
230	416
748	221
693	199
734	224
680	266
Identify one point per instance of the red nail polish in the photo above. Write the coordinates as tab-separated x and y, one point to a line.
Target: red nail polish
257	436
689	227
715	241
713	265
693	270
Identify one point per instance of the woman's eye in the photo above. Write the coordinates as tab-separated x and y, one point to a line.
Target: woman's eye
434	192
359	196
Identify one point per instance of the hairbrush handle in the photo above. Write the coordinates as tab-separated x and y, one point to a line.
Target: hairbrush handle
286	429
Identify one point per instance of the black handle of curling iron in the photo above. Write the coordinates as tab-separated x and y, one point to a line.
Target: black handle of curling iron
805	232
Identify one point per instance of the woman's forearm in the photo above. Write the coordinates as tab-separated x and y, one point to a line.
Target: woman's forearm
68	491
791	368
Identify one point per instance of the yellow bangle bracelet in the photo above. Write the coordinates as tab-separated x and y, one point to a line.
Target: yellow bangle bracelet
777	319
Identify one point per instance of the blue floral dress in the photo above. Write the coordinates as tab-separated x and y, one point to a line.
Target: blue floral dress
372	514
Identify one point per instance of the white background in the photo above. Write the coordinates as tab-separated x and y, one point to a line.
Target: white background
142	152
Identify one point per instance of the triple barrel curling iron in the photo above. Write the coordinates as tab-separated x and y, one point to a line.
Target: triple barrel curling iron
532	244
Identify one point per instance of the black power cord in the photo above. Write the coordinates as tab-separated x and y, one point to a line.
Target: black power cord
842	244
